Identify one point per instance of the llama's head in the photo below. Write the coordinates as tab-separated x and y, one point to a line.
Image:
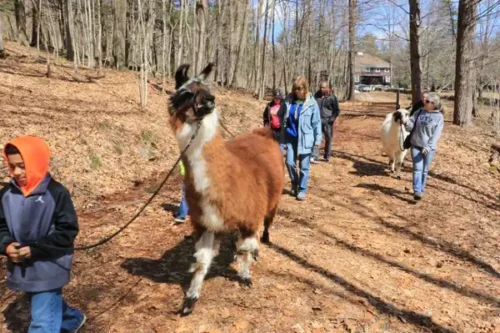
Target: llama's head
192	99
401	115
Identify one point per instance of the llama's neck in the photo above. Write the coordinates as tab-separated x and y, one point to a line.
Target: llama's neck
194	155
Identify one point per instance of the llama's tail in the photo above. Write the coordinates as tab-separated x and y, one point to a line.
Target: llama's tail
264	131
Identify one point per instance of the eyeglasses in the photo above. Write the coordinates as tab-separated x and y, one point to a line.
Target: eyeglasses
299	88
427	101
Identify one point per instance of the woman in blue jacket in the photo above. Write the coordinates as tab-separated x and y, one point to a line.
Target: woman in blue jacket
300	133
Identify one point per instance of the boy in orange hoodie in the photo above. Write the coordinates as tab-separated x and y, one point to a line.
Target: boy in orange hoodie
38	225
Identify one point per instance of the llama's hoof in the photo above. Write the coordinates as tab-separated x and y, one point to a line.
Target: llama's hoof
255	254
246	282
188	306
398	177
265	238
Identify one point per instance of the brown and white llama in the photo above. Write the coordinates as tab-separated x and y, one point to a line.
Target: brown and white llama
230	185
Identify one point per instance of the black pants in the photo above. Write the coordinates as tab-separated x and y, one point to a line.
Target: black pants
327	129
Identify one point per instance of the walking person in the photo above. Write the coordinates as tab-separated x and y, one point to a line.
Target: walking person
183	206
329	111
425	128
301	133
271	117
38	227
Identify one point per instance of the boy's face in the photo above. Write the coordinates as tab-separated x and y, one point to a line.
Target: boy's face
17	167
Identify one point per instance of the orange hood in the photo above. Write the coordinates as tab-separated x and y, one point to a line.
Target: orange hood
36	158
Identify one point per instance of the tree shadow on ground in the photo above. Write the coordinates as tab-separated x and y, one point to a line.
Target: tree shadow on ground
379	304
446	284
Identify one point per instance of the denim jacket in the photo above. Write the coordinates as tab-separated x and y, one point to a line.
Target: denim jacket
309	129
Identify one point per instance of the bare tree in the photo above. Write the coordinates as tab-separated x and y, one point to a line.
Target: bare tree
20	12
262	84
465	75
242	45
201	17
416	71
120	33
352	40
2	49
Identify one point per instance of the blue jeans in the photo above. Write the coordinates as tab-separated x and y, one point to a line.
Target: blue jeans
50	313
421	166
183	207
305	164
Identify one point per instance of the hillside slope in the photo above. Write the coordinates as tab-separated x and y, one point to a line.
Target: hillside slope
357	256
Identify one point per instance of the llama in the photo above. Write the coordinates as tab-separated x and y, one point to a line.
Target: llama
393	135
230	185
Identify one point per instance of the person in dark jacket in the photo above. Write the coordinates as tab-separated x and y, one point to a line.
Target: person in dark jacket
38	225
329	109
271	118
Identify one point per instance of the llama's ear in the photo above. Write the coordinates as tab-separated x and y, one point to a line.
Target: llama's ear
206	71
181	76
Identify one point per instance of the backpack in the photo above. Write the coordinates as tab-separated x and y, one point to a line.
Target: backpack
274	122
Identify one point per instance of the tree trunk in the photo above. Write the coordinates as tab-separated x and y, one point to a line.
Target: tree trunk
257	49
201	18
274	45
120	33
242	46
216	52
2	49
352	41
465	76
99	35
262	90
69	27
34	25
181	36
416	71
20	11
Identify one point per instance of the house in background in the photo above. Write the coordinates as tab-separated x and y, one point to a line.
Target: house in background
371	70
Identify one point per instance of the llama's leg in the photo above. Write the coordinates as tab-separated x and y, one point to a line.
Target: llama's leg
268	220
398	166
205	252
246	248
391	162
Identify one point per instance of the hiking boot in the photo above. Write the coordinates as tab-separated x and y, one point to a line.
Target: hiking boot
417	196
293	191
180	219
301	196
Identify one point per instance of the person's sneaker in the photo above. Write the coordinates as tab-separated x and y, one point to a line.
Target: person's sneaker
180	219
301	196
84	319
417	196
327	160
314	161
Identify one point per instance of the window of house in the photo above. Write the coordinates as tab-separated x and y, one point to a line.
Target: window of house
377	70
386	70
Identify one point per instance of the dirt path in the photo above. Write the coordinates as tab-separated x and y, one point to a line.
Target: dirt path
357	256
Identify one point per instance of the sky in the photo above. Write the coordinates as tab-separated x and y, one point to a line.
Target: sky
375	11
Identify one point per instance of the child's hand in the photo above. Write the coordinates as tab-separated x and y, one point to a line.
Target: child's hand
25	252
14	253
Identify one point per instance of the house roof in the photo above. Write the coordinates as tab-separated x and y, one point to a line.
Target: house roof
363	60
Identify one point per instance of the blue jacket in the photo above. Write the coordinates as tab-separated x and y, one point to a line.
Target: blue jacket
45	217
309	126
